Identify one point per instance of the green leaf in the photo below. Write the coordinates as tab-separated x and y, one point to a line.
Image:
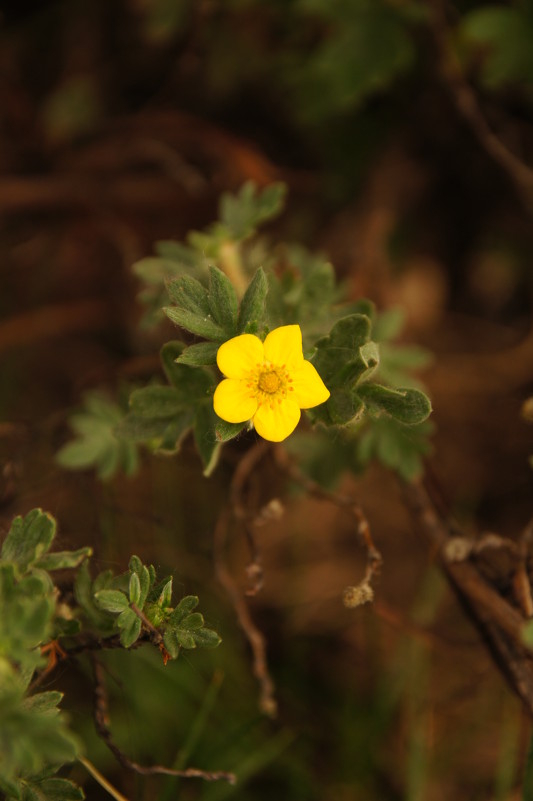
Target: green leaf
96	444
244	212
144	584
504	36
206	638
190	295
223	301
193	621
344	406
165	599
201	325
185	638
171	642
252	308
407	406
398	447
168	432
156	402
61	560
338	358
200	354
29	538
83	592
130	627
183	609
134	590
43	702
225	431
367	47
56	789
112	601
193	383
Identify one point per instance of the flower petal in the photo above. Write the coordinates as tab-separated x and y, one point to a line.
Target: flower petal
309	389
284	346
232	401
277	420
237	356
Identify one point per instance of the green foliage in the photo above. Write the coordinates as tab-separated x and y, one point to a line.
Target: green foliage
35	739
96	444
503	36
145	602
373	395
366	46
181	268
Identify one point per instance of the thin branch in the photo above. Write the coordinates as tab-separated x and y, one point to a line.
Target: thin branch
256	639
467	104
102	722
362	592
499	623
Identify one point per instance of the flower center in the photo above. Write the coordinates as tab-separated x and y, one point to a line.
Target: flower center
269	382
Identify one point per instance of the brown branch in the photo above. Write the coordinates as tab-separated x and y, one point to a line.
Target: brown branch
256	639
362	592
102	723
468	106
499	623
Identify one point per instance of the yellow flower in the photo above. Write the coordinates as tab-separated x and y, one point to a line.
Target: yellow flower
267	382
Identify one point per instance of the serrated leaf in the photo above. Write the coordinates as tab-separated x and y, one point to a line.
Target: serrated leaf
29	538
242	213
223	301
338	358
43	702
193	383
112	601
201	325
407	406
61	560
225	431
200	354
184	608
156	402
189	294
252	307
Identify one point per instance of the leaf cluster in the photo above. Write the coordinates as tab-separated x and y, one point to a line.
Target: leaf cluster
240	215
35	739
369	376
139	604
34	736
95	445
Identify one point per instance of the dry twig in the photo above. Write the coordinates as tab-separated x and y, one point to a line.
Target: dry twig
102	721
500	624
469	108
362	592
267	701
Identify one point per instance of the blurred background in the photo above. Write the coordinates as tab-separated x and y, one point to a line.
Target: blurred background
403	130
